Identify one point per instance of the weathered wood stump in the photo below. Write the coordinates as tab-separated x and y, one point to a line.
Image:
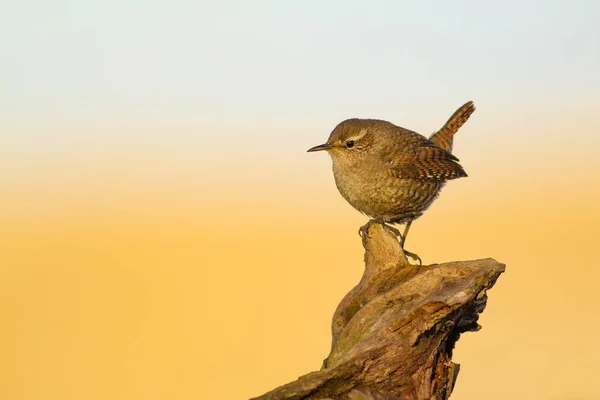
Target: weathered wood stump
393	334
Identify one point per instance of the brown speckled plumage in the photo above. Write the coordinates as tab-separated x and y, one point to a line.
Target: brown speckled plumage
443	137
390	173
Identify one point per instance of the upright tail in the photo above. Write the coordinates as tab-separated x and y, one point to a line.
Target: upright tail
443	137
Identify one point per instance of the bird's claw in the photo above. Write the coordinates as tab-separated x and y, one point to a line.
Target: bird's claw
363	232
413	256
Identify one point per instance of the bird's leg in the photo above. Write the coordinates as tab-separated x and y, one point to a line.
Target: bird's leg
387	227
406	228
403	239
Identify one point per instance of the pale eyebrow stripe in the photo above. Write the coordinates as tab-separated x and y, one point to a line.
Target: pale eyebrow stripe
359	135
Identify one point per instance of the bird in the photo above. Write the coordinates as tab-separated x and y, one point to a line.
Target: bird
392	174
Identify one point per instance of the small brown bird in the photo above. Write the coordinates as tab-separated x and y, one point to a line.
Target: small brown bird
392	174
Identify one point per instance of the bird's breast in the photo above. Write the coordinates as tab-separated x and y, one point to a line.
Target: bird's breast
374	191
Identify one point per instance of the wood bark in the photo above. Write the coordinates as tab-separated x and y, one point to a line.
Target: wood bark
393	334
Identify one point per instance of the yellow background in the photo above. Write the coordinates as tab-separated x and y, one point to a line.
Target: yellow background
179	245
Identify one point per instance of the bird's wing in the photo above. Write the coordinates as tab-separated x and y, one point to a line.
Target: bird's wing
426	161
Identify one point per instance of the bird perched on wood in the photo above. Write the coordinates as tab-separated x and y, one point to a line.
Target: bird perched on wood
392	174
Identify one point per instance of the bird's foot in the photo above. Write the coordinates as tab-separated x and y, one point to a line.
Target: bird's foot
363	231
413	256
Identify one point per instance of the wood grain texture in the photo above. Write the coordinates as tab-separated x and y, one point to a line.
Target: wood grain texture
393	334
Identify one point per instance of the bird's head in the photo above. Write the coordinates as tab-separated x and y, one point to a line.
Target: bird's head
351	140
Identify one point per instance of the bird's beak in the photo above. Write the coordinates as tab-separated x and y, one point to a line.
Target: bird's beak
319	148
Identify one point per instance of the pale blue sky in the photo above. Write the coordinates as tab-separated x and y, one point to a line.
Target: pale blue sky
277	56
119	74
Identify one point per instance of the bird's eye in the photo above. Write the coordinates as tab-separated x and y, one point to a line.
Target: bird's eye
350	144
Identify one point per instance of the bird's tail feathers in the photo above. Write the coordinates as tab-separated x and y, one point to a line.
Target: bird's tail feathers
443	137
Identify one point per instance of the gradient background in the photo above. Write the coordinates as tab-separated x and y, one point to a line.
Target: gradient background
164	235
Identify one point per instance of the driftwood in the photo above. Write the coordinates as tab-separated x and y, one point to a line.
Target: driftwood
393	334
